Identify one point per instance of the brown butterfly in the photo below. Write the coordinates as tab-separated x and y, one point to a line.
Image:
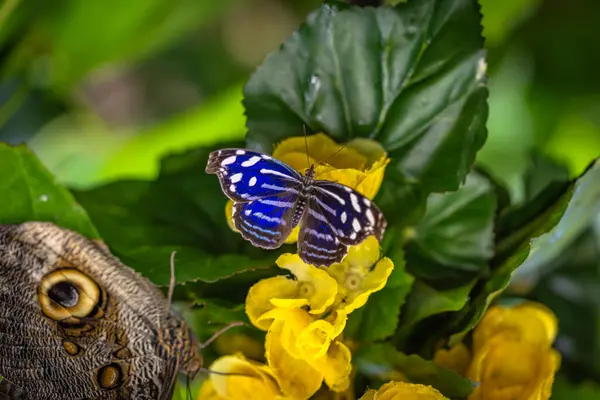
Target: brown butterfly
75	323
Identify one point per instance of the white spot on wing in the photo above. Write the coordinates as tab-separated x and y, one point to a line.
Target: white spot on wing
370	216
240	152
247	212
354	201
353	235
228	160
344	217
232	188
356	225
251	161
266	157
235	178
252	181
367	202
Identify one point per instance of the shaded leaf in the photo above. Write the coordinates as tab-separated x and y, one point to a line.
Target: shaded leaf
411	77
563	390
425	301
542	173
31	193
378	319
183	211
456	231
583	207
383	362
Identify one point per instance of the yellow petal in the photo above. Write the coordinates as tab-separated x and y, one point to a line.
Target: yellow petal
295	376
529	321
229	215
456	358
255	381
321	147
406	391
258	301
314	340
208	392
314	284
363	255
508	370
336	366
229	343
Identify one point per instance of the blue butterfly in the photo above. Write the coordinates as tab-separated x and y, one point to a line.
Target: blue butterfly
271	198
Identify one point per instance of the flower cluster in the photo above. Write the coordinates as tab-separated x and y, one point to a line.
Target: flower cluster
511	357
304	314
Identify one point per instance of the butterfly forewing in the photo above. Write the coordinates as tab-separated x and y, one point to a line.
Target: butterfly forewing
247	175
266	222
318	244
352	216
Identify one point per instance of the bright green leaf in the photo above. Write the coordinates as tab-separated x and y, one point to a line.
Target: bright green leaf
382	361
31	193
411	77
183	211
564	390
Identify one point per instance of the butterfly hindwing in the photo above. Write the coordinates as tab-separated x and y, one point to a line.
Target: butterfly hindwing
247	175
317	242
352	216
266	222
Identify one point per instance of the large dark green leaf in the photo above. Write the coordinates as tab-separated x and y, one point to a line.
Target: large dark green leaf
183	211
411	77
582	212
456	231
380	361
378	319
31	193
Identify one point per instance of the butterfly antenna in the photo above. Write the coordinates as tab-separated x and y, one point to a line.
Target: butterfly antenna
335	153
306	144
210	371
172	282
220	332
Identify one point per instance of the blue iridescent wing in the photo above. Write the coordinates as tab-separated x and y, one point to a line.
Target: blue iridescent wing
352	216
247	175
318	244
266	222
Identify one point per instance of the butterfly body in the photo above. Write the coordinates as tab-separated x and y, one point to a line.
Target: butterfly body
271	198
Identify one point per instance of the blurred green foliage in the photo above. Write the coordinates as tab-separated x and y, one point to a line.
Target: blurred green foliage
101	95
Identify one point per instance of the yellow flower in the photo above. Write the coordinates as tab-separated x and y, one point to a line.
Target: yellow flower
512	354
458	358
360	165
402	390
254	381
312	287
356	276
303	335
300	377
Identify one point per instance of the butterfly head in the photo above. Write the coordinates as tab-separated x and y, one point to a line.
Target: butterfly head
310	172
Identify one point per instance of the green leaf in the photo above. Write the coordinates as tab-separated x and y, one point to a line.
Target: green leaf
210	315
378	319
183	211
564	390
580	214
31	193
382	362
543	172
425	301
411	77
456	231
